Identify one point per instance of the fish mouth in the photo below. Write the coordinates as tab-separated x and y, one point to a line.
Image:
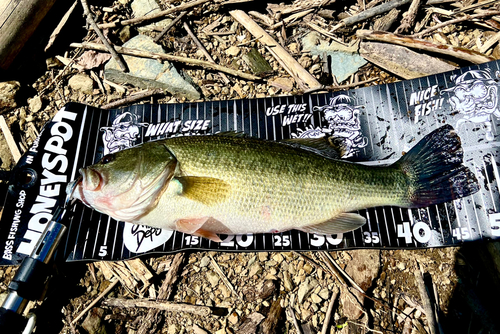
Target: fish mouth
92	180
74	190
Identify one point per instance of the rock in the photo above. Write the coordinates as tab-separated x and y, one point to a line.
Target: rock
8	91
93	322
213	278
233	51
363	269
286	84
344	61
305	288
255	269
287	281
205	261
233	318
35	104
250	324
173	329
262	256
324	293
148	7
150	73
316	299
81	82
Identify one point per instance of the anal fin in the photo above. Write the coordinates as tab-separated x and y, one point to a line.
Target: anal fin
342	223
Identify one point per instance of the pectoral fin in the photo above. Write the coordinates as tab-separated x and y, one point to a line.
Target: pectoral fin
342	223
206	190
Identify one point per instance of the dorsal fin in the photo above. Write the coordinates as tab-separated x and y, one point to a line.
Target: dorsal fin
322	146
238	134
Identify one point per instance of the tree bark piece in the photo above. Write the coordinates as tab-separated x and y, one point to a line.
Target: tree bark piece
159	305
402	61
269	325
18	21
304	79
154	55
420	44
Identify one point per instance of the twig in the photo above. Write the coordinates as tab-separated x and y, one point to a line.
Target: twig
154	16
203	50
102	294
164	56
167	28
476	5
328	314
291	314
304	79
380	9
341	87
11	143
333	269
409	19
59	27
164	293
449	50
353	283
159	305
223	277
99	33
454	21
490	42
291	18
132	98
426	302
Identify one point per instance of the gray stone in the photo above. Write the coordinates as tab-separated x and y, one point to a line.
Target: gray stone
150	73
148	7
8	91
82	83
344	61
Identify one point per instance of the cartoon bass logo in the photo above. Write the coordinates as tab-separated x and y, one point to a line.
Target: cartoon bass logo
475	97
122	133
343	125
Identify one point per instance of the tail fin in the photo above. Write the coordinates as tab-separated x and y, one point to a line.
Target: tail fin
435	171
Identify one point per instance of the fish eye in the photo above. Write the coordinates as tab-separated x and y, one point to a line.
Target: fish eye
107	158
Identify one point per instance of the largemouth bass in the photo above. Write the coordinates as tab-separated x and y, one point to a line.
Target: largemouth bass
219	184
